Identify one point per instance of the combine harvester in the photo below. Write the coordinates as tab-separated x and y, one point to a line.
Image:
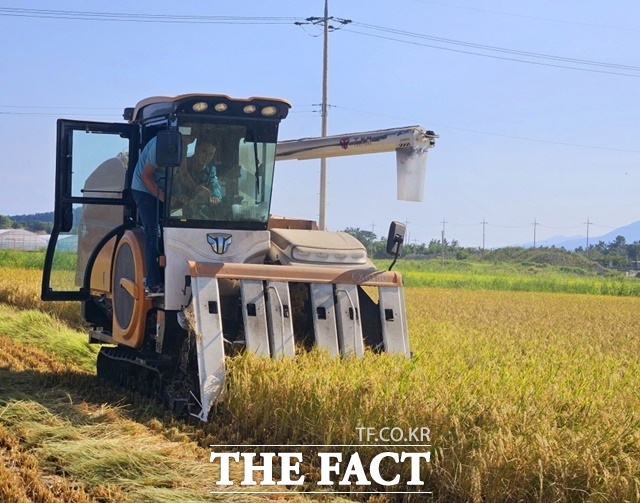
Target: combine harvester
234	274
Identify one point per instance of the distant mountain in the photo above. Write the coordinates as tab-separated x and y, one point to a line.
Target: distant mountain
630	232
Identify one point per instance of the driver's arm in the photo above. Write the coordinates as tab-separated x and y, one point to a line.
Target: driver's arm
150	183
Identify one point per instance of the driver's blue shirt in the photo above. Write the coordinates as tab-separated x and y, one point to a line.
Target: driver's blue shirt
208	177
148	156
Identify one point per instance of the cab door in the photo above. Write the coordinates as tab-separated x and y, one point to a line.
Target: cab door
92	203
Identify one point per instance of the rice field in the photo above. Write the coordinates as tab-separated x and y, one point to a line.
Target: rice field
528	395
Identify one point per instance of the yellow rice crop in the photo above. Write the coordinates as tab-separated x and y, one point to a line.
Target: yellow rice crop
21	288
528	396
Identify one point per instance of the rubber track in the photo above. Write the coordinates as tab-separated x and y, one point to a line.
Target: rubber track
130	371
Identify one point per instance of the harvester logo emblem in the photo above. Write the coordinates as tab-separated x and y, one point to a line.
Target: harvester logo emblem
344	143
219	242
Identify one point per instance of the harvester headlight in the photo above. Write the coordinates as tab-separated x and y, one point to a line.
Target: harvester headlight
359	256
220	107
269	111
201	106
308	254
301	253
249	109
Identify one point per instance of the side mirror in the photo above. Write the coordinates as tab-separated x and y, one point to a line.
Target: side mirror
396	238
169	148
66	223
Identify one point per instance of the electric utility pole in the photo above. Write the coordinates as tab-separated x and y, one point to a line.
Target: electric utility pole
326	27
535	224
588	224
484	224
442	242
406	230
323	161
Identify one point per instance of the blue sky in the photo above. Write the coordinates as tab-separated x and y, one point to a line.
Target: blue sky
519	142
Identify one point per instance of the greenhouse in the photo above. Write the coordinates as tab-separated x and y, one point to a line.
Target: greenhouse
21	239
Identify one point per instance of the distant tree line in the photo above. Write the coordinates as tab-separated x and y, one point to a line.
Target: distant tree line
377	247
618	253
38	222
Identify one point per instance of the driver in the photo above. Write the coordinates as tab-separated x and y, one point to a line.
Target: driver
196	181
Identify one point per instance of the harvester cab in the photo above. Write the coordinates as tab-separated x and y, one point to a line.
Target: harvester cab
234	275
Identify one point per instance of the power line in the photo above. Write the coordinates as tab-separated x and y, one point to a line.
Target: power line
142	18
312	113
462	225
326	28
201	19
33	110
509	226
58	108
497	49
524	138
312	20
539	18
558	228
539	63
319	21
604	226
51	114
595	147
484	223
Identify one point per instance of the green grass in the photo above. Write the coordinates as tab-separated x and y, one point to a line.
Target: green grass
22	259
55	337
512	269
65	261
527	277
